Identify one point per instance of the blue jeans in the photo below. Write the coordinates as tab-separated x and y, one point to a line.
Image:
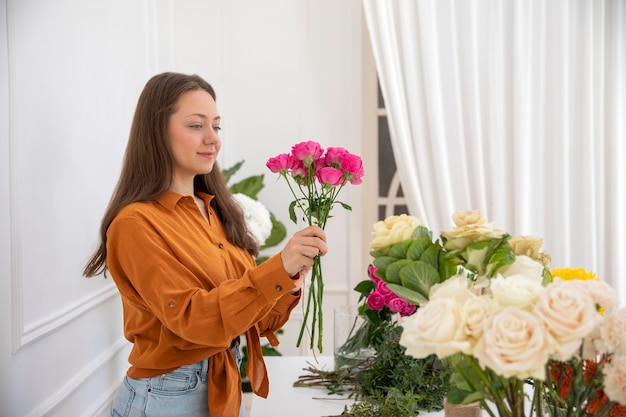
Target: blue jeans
180	393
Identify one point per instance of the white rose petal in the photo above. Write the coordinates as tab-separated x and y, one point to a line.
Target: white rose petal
474	313
523	265
569	314
434	329
515	343
517	291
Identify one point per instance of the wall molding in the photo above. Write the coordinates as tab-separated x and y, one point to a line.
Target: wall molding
48	406
60	318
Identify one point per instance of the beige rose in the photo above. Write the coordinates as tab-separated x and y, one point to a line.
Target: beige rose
456	287
474	312
530	246
470	226
394	229
519	291
602	293
434	329
569	314
515	343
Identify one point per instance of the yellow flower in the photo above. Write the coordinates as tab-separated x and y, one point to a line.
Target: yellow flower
568	274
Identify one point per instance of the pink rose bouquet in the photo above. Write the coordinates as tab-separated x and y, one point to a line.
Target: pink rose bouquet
315	177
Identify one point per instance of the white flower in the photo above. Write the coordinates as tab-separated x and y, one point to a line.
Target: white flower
456	288
523	265
601	292
515	343
434	329
257	217
517	291
474	313
613	332
569	314
615	379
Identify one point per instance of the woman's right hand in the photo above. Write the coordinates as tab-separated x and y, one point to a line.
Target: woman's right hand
300	251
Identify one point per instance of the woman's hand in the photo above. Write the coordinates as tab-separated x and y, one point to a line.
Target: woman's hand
301	249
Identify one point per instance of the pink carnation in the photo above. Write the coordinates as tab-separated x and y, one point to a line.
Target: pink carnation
334	156
375	301
352	166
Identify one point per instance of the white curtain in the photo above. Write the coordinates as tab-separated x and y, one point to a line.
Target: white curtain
516	108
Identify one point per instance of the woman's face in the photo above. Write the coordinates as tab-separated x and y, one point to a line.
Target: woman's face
193	132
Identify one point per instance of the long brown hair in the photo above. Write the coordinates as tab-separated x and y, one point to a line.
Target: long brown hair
147	171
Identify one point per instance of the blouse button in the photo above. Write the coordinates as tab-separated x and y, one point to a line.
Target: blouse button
279	288
171	304
221	246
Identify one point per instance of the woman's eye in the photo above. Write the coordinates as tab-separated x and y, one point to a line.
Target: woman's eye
217	129
196	126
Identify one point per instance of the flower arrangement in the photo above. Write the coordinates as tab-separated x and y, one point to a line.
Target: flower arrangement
315	177
592	383
488	305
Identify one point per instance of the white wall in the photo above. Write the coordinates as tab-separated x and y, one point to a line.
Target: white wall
70	75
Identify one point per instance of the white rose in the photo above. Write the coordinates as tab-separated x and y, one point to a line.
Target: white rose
455	287
434	329
569	314
394	229
473	313
523	265
515	343
601	292
516	291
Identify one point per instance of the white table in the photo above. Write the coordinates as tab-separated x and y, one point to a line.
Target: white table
286	400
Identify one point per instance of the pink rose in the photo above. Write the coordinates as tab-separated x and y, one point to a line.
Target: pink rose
408	310
333	156
298	171
381	287
375	301
329	175
397	304
352	165
307	152
371	270
279	163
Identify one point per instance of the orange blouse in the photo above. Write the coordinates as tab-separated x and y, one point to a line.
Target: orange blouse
187	292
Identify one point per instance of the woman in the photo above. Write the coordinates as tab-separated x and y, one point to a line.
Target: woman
177	247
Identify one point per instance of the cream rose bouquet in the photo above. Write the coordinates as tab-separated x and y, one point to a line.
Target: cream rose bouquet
315	178
489	306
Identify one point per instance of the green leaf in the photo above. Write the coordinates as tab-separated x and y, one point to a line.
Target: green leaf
422	231
229	172
417	247
365	286
411	296
292	211
419	276
392	273
431	256
249	186
382	262
345	206
400	249
278	233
